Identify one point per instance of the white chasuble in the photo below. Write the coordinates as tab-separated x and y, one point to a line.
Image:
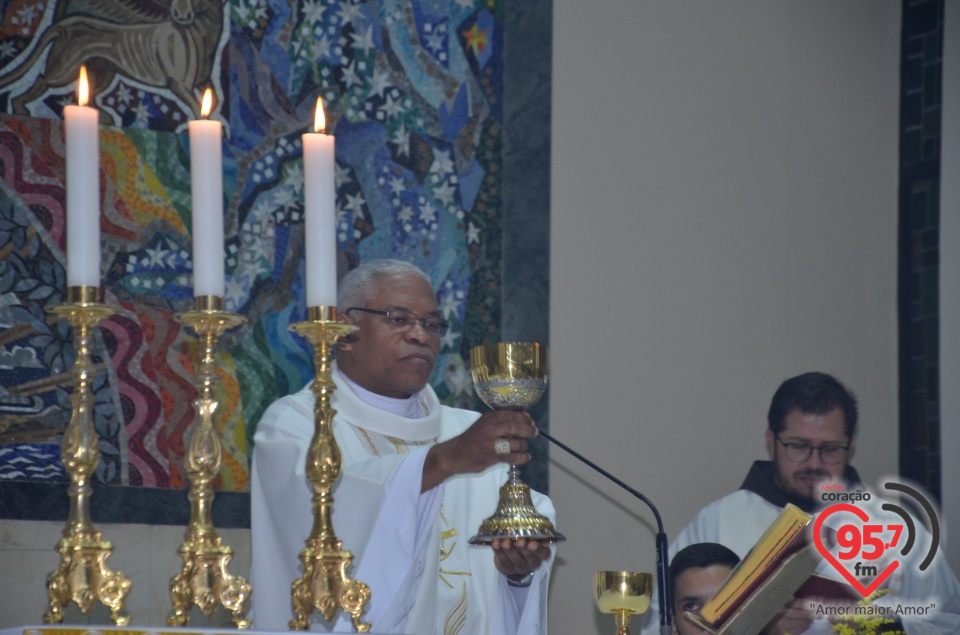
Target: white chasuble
411	548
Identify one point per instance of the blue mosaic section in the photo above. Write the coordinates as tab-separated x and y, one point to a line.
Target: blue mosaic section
921	84
39	462
423	79
413	92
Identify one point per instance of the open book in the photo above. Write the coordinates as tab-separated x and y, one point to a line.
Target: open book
757	588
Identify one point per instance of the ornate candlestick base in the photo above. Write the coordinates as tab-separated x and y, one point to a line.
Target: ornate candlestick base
204	580
325	585
83	576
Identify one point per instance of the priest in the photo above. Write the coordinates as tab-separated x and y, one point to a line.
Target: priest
417	480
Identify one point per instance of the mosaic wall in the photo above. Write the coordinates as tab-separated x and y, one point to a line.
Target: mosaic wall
413	91
921	81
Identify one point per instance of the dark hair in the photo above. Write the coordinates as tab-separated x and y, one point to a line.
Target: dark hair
697	556
813	394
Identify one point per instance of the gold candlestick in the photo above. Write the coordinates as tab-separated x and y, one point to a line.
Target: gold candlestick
204	580
325	585
83	576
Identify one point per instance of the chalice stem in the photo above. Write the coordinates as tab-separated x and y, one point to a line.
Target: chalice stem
623	622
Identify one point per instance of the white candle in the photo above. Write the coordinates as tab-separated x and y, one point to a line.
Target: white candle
206	189
83	190
320	197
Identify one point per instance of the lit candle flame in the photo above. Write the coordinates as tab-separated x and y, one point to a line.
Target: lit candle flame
83	88
319	121
207	105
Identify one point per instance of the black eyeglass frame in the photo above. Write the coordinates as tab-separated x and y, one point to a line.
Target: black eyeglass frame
442	325
794	446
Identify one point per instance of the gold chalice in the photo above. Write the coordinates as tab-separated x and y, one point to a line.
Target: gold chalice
624	594
512	375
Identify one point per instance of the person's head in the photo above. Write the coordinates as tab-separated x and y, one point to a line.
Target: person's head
811	428
394	306
696	572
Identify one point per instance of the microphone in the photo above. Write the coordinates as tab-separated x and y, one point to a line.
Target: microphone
662	590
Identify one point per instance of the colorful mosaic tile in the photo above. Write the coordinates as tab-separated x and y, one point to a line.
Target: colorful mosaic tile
412	91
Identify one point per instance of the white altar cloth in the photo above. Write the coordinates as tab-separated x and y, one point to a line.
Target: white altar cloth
98	629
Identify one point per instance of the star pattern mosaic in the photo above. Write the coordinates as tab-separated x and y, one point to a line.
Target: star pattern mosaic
412	94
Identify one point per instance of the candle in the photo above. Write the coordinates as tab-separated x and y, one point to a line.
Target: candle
83	189
206	189
320	196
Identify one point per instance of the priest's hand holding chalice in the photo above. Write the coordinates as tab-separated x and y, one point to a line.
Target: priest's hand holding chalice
512	376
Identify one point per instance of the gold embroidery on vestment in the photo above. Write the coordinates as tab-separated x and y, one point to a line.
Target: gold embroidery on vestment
445	551
369	441
457	616
401	446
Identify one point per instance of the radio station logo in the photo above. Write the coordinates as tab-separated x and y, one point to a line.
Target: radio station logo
872	543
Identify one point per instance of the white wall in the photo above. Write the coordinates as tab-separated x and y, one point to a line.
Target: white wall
724	216
147	555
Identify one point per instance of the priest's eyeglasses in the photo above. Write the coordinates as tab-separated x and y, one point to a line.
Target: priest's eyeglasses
401	320
830	454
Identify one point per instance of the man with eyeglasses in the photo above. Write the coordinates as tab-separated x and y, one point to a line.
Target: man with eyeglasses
811	431
417	480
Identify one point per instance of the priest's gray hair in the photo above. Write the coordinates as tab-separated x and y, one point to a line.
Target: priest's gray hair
360	285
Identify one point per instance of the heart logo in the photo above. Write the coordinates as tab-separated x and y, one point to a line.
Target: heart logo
862	515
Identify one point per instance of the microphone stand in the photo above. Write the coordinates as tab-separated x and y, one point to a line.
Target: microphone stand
661	535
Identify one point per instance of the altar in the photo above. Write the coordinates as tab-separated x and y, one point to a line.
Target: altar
91	629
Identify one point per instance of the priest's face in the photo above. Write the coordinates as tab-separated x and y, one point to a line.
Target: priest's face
384	358
692	588
822	438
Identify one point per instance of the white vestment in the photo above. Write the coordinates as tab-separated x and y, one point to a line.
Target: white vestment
739	519
409	547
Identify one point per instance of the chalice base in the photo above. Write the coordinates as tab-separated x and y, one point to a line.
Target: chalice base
516	517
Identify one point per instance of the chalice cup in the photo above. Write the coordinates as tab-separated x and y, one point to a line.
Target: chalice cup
512	375
624	594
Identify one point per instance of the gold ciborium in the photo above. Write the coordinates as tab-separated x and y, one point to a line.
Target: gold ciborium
624	594
512	375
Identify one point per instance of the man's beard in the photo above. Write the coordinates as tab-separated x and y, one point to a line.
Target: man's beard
814	473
